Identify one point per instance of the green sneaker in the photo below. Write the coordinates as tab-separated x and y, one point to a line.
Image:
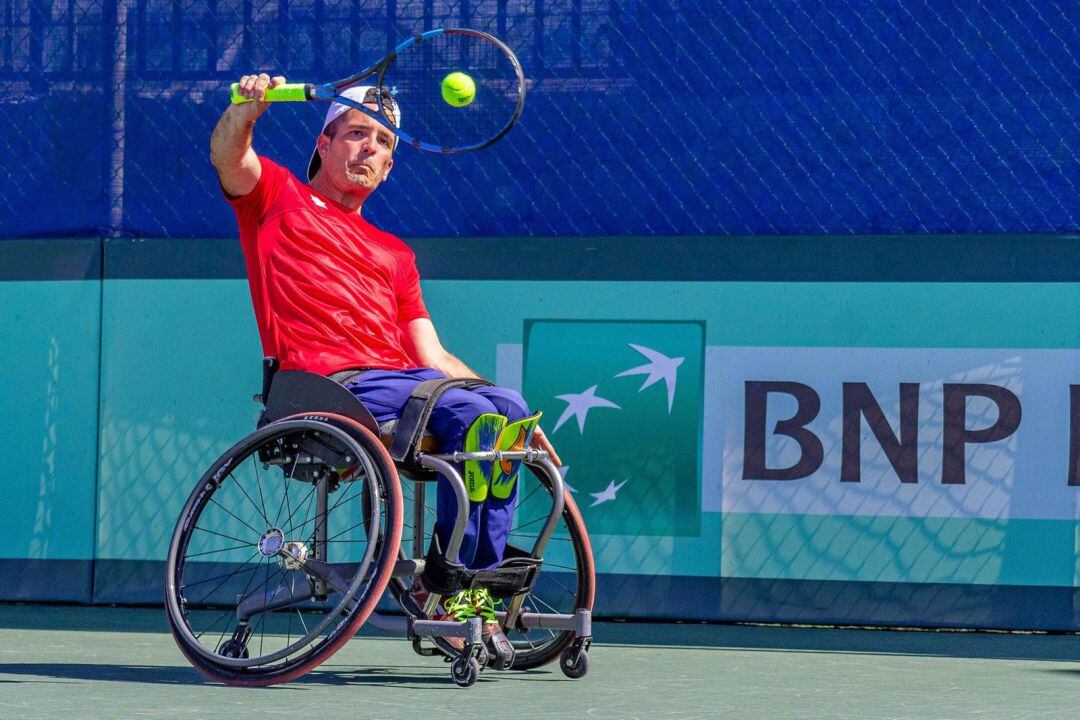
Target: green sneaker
469	604
484	604
460	606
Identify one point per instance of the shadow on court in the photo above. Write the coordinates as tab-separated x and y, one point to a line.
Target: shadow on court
169	675
700	636
934	643
43	672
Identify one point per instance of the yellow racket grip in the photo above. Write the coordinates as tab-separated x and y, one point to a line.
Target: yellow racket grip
289	92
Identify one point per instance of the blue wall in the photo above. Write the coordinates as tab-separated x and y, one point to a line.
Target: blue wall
643	117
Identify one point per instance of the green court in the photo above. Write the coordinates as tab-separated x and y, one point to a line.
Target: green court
87	663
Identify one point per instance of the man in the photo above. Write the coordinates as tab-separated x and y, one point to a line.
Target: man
333	292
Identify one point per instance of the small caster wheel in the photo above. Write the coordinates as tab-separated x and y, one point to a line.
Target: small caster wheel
574	664
465	670
233	649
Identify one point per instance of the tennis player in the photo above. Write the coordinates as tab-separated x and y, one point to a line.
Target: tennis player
333	292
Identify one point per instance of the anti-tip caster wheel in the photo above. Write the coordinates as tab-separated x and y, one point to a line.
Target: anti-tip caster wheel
465	670
574	664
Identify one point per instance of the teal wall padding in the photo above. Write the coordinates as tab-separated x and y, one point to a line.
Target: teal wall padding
180	363
49	345
120	391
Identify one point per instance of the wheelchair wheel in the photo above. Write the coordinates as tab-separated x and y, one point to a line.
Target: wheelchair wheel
283	549
567	581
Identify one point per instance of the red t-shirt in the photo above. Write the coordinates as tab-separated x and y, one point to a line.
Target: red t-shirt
331	291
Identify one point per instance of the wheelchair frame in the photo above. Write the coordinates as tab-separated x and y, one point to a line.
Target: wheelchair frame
300	397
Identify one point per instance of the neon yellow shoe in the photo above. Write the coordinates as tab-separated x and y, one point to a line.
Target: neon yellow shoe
460	606
469	604
484	604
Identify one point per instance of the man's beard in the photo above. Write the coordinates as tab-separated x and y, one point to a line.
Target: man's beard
364	180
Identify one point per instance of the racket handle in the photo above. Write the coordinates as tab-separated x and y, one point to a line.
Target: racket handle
289	92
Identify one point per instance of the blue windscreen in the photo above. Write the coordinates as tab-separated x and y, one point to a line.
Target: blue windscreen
642	117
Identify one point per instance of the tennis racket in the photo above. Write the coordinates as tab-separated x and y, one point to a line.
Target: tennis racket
413	73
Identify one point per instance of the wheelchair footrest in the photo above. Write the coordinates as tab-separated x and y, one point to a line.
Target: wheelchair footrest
514	575
471	630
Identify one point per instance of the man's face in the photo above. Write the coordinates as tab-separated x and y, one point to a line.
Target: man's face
358	155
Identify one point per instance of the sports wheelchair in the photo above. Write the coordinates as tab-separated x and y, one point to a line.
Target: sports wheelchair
290	539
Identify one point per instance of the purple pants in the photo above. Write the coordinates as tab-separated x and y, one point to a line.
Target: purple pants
384	393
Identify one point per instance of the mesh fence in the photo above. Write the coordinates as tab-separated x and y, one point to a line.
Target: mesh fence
642	116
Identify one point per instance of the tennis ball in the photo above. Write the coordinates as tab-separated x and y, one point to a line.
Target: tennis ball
458	89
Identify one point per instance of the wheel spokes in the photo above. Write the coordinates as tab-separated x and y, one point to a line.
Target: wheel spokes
282	601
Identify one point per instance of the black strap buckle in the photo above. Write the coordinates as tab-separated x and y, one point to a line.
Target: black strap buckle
346	376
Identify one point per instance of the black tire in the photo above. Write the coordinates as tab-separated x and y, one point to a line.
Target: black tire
465	671
566	583
263	494
576	669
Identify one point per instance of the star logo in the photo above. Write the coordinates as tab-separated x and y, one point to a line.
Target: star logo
650	374
579	405
318	201
607	494
660	367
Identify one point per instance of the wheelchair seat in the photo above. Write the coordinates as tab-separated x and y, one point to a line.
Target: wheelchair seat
292	392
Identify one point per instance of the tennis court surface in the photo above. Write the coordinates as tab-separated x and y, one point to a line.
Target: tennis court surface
88	663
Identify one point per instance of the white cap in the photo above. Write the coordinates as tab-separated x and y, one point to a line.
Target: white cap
365	95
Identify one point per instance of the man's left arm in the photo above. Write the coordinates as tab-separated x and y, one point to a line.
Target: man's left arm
428	349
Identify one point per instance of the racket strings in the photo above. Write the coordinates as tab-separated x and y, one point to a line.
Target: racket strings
415	79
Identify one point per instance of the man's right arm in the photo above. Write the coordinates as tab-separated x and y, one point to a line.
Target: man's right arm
231	153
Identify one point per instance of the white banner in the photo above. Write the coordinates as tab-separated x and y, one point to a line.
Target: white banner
1024	473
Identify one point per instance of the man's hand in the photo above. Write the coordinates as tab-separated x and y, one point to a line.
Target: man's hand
540	442
254	87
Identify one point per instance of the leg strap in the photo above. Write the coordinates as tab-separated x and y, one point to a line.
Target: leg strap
516	573
417	412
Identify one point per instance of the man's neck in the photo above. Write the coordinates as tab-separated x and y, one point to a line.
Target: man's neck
353	201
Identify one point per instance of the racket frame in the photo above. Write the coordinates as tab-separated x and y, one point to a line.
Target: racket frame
331	91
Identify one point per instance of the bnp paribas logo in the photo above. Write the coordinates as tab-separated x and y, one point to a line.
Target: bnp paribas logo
623	405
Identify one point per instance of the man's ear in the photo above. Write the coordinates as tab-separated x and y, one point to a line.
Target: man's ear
322	144
389	164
